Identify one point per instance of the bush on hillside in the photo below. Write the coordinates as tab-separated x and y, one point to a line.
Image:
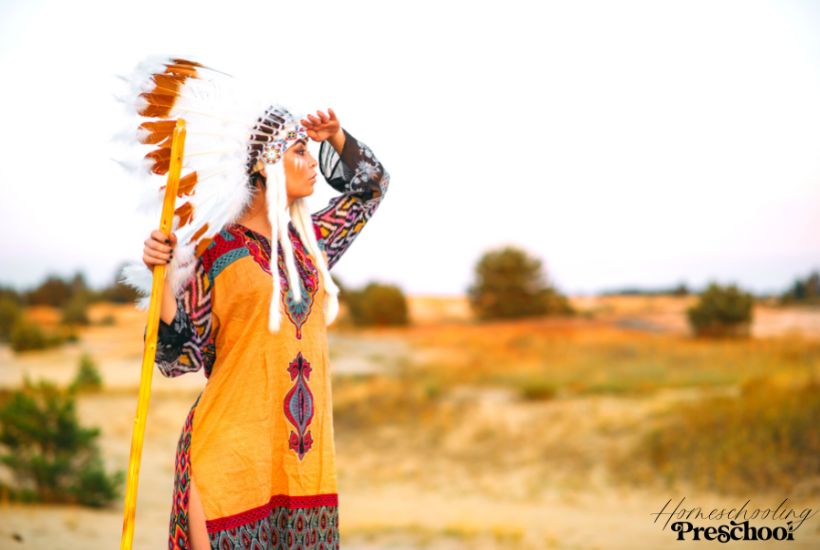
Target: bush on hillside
377	304
75	311
722	311
803	291
10	314
509	283
28	336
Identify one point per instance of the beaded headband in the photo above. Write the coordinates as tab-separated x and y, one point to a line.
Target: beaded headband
286	137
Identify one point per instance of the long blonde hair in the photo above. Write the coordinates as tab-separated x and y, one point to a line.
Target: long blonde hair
279	215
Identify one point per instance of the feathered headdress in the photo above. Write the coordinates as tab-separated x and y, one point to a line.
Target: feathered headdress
226	136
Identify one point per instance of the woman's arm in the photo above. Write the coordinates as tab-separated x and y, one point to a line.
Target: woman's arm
186	342
349	166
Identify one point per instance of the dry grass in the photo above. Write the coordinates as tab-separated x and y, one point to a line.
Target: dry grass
551	357
765	438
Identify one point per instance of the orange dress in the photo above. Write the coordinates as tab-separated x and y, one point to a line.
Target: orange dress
259	439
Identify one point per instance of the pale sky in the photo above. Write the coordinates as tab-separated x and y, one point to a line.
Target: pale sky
624	143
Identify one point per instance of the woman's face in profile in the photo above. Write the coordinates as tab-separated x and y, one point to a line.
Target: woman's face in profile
300	171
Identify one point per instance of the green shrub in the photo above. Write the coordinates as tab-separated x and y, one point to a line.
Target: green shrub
10	314
377	304
27	336
7	292
803	291
722	311
75	311
54	291
510	284
52	457
88	375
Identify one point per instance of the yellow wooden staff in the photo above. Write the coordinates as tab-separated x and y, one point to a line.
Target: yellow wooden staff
150	350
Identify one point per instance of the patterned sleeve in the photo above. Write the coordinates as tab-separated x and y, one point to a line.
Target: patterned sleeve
187	344
363	181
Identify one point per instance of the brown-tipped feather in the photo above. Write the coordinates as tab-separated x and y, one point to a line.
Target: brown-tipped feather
157	105
183	66
167	85
161	160
158	131
203	244
199	233
187	184
184	212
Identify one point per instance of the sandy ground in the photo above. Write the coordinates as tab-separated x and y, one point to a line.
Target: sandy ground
412	504
404	489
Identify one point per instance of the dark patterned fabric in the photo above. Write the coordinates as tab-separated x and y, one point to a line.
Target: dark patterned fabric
363	181
187	344
283	527
178	534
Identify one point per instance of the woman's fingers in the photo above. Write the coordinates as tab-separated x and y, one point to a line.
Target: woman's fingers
162	237
159	249
159	254
156	258
319	119
152	244
163	242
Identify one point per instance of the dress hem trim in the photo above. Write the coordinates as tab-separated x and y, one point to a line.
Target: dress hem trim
277	501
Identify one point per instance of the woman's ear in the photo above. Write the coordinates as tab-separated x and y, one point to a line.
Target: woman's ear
258	180
258	175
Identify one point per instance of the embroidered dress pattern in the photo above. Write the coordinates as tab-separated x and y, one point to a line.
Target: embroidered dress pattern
299	406
285	523
259	248
297	312
258	440
182	481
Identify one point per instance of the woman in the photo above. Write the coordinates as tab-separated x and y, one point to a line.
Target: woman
255	463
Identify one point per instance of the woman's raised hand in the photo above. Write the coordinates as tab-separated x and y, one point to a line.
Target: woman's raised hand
321	126
159	249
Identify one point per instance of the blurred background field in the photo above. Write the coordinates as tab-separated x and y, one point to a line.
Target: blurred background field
502	434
